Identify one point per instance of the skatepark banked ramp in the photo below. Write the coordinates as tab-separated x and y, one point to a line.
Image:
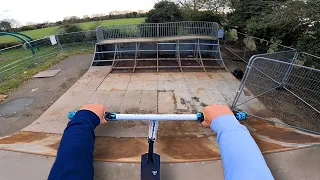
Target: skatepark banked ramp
179	46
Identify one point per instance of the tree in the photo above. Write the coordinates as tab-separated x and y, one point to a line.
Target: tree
196	5
86	18
9	25
164	11
71	19
5	26
193	5
209	16
214	5
245	10
134	14
293	23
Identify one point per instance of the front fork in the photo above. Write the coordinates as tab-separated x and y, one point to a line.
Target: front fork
150	162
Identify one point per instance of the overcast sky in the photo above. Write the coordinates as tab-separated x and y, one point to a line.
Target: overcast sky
38	11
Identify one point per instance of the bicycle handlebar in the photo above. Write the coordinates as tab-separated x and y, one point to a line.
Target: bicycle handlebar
167	117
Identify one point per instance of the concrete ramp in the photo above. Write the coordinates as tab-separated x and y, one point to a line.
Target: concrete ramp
167	92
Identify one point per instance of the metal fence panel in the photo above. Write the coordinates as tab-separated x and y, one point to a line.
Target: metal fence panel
16	59
186	28
290	91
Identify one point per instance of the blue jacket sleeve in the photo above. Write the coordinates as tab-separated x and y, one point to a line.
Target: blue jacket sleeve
241	157
75	154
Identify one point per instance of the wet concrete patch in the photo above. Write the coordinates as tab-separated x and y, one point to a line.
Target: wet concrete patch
15	106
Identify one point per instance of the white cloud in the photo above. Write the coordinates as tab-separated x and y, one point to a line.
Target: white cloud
41	10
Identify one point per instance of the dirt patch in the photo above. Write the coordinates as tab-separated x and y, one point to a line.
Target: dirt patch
3	97
119	148
265	146
23	137
128	124
179	128
54	146
195	99
246	93
174	100
179	148
183	101
280	134
203	104
132	111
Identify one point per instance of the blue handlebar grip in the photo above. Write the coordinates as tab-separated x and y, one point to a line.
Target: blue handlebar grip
241	116
108	116
71	114
200	117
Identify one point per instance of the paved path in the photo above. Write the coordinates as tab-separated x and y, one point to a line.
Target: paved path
42	93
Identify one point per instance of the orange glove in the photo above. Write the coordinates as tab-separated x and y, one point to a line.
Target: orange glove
212	112
98	109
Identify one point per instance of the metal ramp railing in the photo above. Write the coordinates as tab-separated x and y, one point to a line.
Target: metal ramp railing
178	45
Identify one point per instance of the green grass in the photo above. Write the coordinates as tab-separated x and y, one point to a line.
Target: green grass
87	25
10	84
40	33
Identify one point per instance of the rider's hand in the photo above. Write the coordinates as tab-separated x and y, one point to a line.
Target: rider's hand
212	112
98	109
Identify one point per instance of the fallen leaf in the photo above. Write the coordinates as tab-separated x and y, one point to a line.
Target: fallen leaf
3	97
33	90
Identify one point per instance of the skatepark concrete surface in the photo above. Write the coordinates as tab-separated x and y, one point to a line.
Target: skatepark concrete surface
30	153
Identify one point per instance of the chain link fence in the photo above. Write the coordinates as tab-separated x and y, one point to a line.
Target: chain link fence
19	58
290	92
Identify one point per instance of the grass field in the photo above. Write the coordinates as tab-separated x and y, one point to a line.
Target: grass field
40	33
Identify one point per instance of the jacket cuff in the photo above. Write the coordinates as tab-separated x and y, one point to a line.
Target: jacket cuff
88	117
222	122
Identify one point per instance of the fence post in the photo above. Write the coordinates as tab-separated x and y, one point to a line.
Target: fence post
58	41
286	76
245	49
99	33
25	48
1	75
157	29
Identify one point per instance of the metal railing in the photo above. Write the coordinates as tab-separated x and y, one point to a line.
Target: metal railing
185	28
290	92
176	53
